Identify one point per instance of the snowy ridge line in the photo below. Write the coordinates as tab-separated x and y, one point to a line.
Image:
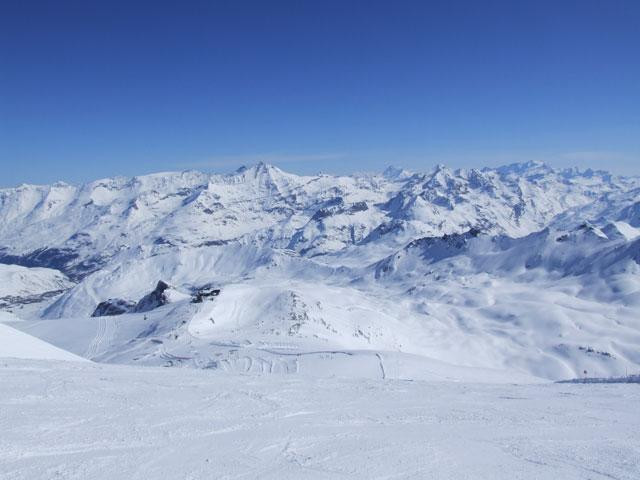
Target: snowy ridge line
521	272
65	226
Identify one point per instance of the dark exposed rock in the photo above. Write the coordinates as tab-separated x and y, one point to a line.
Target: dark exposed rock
203	293
162	241
358	207
323	213
594	351
152	300
454	240
336	206
392	227
214	243
113	306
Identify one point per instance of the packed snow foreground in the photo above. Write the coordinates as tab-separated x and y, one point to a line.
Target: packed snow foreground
94	421
358	326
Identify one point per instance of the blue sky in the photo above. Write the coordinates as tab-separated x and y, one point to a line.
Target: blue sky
94	89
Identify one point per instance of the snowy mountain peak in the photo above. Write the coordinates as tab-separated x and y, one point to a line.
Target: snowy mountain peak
264	205
528	168
396	173
455	265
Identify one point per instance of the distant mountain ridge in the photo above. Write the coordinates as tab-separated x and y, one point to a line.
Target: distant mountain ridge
522	269
78	228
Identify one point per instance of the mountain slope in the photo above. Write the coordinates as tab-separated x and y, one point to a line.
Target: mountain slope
522	269
78	229
21	285
16	344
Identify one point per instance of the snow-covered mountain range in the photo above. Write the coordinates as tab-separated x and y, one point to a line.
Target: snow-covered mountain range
522	270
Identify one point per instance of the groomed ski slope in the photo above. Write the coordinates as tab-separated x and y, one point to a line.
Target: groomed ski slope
88	421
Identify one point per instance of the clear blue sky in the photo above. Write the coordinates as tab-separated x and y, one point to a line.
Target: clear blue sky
91	89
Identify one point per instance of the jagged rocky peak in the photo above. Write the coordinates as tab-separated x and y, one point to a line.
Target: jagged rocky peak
584	232
261	170
396	173
453	241
531	167
154	299
263	167
441	176
262	176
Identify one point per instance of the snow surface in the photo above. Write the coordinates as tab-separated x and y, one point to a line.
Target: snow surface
20	283
91	421
16	344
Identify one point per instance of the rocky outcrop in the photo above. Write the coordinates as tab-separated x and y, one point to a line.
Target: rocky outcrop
113	306
205	293
155	299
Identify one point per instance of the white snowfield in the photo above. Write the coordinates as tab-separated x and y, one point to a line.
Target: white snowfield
16	344
403	325
22	283
88	421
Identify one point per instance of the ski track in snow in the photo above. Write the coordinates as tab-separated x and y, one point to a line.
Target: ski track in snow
382	372
92	350
105	331
87	421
